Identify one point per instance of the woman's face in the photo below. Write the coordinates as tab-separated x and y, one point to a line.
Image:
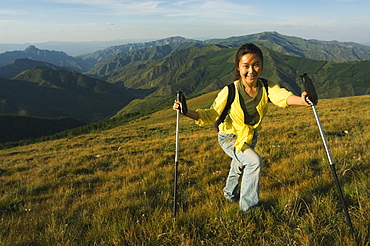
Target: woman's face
250	68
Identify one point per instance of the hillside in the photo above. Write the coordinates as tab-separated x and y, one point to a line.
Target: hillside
20	65
189	70
116	187
112	51
296	46
145	75
15	128
201	70
45	92
334	79
289	45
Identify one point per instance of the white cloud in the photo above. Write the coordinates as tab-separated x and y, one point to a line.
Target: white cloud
128	7
218	9
88	24
167	8
10	12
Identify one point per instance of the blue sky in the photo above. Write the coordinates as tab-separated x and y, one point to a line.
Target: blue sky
32	21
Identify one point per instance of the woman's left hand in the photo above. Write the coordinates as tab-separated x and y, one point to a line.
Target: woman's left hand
305	99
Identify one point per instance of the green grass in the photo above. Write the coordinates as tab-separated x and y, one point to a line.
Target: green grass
116	187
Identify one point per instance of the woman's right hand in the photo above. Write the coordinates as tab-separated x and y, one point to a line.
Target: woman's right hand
191	114
176	105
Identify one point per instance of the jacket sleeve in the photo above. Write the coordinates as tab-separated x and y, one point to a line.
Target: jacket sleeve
278	95
209	116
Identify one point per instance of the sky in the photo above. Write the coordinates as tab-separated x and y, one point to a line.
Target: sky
35	21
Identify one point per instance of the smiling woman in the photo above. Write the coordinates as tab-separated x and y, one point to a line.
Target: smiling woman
238	133
248	69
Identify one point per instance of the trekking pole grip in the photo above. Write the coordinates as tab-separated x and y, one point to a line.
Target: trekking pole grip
178	98
309	88
183	108
178	95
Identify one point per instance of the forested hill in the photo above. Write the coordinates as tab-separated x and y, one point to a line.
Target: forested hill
290	45
45	92
201	70
296	46
134	77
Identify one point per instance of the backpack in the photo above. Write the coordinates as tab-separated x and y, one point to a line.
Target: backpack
230	99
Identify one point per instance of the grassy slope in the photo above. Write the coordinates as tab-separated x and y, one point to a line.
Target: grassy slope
115	188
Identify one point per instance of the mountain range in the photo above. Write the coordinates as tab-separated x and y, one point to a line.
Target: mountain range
132	77
57	58
48	92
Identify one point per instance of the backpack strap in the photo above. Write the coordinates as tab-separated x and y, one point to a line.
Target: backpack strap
230	99
264	81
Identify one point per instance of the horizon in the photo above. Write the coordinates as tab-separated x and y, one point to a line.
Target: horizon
76	48
22	22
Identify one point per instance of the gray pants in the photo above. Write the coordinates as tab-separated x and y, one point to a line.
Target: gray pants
246	165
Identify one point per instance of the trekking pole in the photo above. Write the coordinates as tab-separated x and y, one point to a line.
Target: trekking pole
310	89
176	159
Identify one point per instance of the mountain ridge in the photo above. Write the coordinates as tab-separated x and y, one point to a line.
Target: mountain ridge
117	49
19	65
45	92
150	73
200	70
58	58
296	46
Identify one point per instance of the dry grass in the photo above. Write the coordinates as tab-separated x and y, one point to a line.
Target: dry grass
115	188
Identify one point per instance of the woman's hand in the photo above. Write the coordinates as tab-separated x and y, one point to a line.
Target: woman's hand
176	105
190	113
305	99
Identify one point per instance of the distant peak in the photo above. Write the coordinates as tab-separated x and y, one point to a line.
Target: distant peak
31	48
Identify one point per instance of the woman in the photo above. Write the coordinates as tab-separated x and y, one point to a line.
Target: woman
238	133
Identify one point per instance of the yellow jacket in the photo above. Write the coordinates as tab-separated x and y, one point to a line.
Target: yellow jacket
234	121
